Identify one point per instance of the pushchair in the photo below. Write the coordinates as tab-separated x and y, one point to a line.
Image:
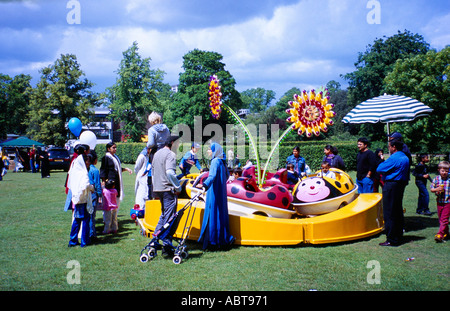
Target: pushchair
169	228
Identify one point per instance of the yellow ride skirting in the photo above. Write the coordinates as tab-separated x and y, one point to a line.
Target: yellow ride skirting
361	218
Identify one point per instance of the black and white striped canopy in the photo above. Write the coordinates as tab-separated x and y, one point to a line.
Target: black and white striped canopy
387	109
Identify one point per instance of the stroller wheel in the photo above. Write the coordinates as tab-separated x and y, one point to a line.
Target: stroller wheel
184	254
143	258
151	253
176	260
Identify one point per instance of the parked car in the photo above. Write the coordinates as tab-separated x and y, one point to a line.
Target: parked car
59	159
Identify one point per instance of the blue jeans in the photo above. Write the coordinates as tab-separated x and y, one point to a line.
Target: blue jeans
365	185
92	230
81	215
424	197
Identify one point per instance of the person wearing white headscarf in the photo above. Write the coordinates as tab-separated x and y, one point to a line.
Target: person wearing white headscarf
81	189
141	183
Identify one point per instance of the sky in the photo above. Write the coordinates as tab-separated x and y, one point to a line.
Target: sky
273	44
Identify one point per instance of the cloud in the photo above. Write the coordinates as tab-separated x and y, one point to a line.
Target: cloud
438	30
267	43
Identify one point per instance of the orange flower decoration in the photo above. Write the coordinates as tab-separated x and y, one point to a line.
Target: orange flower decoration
215	97
310	113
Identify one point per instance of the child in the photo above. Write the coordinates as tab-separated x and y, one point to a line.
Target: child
421	174
292	176
441	187
325	167
189	159
110	207
377	179
237	172
81	189
94	179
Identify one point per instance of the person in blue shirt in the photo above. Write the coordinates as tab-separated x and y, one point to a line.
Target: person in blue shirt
395	171
188	160
94	179
292	176
298	161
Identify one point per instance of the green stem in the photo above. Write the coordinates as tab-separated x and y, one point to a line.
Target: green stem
250	137
287	131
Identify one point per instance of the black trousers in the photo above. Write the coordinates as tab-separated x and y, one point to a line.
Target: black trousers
393	210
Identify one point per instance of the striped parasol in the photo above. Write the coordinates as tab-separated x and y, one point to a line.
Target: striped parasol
387	109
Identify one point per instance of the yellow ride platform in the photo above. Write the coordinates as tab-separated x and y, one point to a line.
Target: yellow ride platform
361	218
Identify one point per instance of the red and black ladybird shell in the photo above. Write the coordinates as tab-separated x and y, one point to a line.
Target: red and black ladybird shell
278	178
246	189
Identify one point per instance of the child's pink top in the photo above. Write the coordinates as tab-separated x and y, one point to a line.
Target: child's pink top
109	199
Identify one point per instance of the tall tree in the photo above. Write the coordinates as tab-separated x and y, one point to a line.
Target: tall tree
338	97
375	64
192	97
14	101
257	99
425	78
135	94
62	93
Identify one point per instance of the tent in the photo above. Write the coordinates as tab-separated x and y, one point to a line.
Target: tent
21	142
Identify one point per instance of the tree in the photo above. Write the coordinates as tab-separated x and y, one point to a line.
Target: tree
135	94
192	97
257	99
14	101
338	97
62	93
374	65
425	78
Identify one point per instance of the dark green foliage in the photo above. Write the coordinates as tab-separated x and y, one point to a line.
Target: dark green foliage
135	94
62	93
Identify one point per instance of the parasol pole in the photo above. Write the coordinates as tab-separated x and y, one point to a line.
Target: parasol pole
388	133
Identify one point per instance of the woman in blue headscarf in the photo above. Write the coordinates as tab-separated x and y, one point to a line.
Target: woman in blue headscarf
215	228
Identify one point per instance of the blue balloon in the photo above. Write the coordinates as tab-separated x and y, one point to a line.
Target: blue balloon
75	126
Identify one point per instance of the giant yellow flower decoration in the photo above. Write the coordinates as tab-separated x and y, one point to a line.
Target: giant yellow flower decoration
310	113
215	97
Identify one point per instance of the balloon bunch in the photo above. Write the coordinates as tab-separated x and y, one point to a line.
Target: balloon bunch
215	97
87	137
310	113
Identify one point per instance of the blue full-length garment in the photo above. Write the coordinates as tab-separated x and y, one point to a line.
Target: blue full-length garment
215	227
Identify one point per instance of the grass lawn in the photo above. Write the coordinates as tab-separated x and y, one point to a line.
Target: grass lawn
34	233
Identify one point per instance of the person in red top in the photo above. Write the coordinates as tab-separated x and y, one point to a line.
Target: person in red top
32	156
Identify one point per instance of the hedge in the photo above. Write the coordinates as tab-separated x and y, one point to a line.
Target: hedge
127	152
312	151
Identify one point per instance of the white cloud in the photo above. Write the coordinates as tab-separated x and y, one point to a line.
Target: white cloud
438	32
303	44
289	46
30	4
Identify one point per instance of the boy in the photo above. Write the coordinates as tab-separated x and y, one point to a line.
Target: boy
421	174
188	160
237	172
441	187
326	171
292	176
94	179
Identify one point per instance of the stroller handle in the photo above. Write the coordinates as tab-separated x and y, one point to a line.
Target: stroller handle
197	196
